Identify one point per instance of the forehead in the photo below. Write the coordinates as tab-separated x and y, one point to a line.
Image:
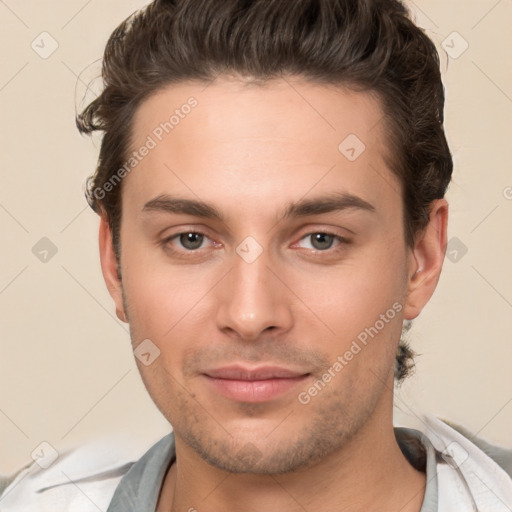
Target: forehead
248	140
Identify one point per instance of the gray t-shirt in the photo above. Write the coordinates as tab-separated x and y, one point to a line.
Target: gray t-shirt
140	486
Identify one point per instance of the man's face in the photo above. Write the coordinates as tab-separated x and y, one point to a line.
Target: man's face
290	295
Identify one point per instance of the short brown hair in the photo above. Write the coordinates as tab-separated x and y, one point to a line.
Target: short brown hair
361	44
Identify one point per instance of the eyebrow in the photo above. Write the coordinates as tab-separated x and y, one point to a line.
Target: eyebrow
324	204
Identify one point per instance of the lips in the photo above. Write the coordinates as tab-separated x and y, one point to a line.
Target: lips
261	373
254	385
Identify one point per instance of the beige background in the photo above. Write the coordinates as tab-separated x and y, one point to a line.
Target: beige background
67	373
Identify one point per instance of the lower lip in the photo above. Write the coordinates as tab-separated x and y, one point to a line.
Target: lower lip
254	391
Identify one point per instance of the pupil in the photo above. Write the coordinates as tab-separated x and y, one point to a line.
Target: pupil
191	240
322	240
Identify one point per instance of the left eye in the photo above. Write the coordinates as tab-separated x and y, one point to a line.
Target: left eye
190	240
321	241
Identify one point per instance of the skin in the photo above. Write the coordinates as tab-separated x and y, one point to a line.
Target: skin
250	151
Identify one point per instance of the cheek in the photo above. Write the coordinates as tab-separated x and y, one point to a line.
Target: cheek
359	309
158	293
352	296
160	301
362	309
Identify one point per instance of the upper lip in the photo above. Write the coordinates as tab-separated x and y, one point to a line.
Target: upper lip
238	372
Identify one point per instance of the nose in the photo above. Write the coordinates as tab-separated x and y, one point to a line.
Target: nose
254	301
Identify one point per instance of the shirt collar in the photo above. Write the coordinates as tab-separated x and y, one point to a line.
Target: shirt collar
140	486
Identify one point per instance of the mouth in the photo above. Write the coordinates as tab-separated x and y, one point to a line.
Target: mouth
254	385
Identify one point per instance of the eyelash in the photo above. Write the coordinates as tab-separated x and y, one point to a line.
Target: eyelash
342	241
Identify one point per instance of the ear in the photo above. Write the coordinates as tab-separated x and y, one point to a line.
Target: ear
109	267
426	260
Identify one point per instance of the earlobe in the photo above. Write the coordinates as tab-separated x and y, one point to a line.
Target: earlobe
426	260
109	267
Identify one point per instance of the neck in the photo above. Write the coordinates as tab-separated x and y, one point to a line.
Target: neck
368	474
